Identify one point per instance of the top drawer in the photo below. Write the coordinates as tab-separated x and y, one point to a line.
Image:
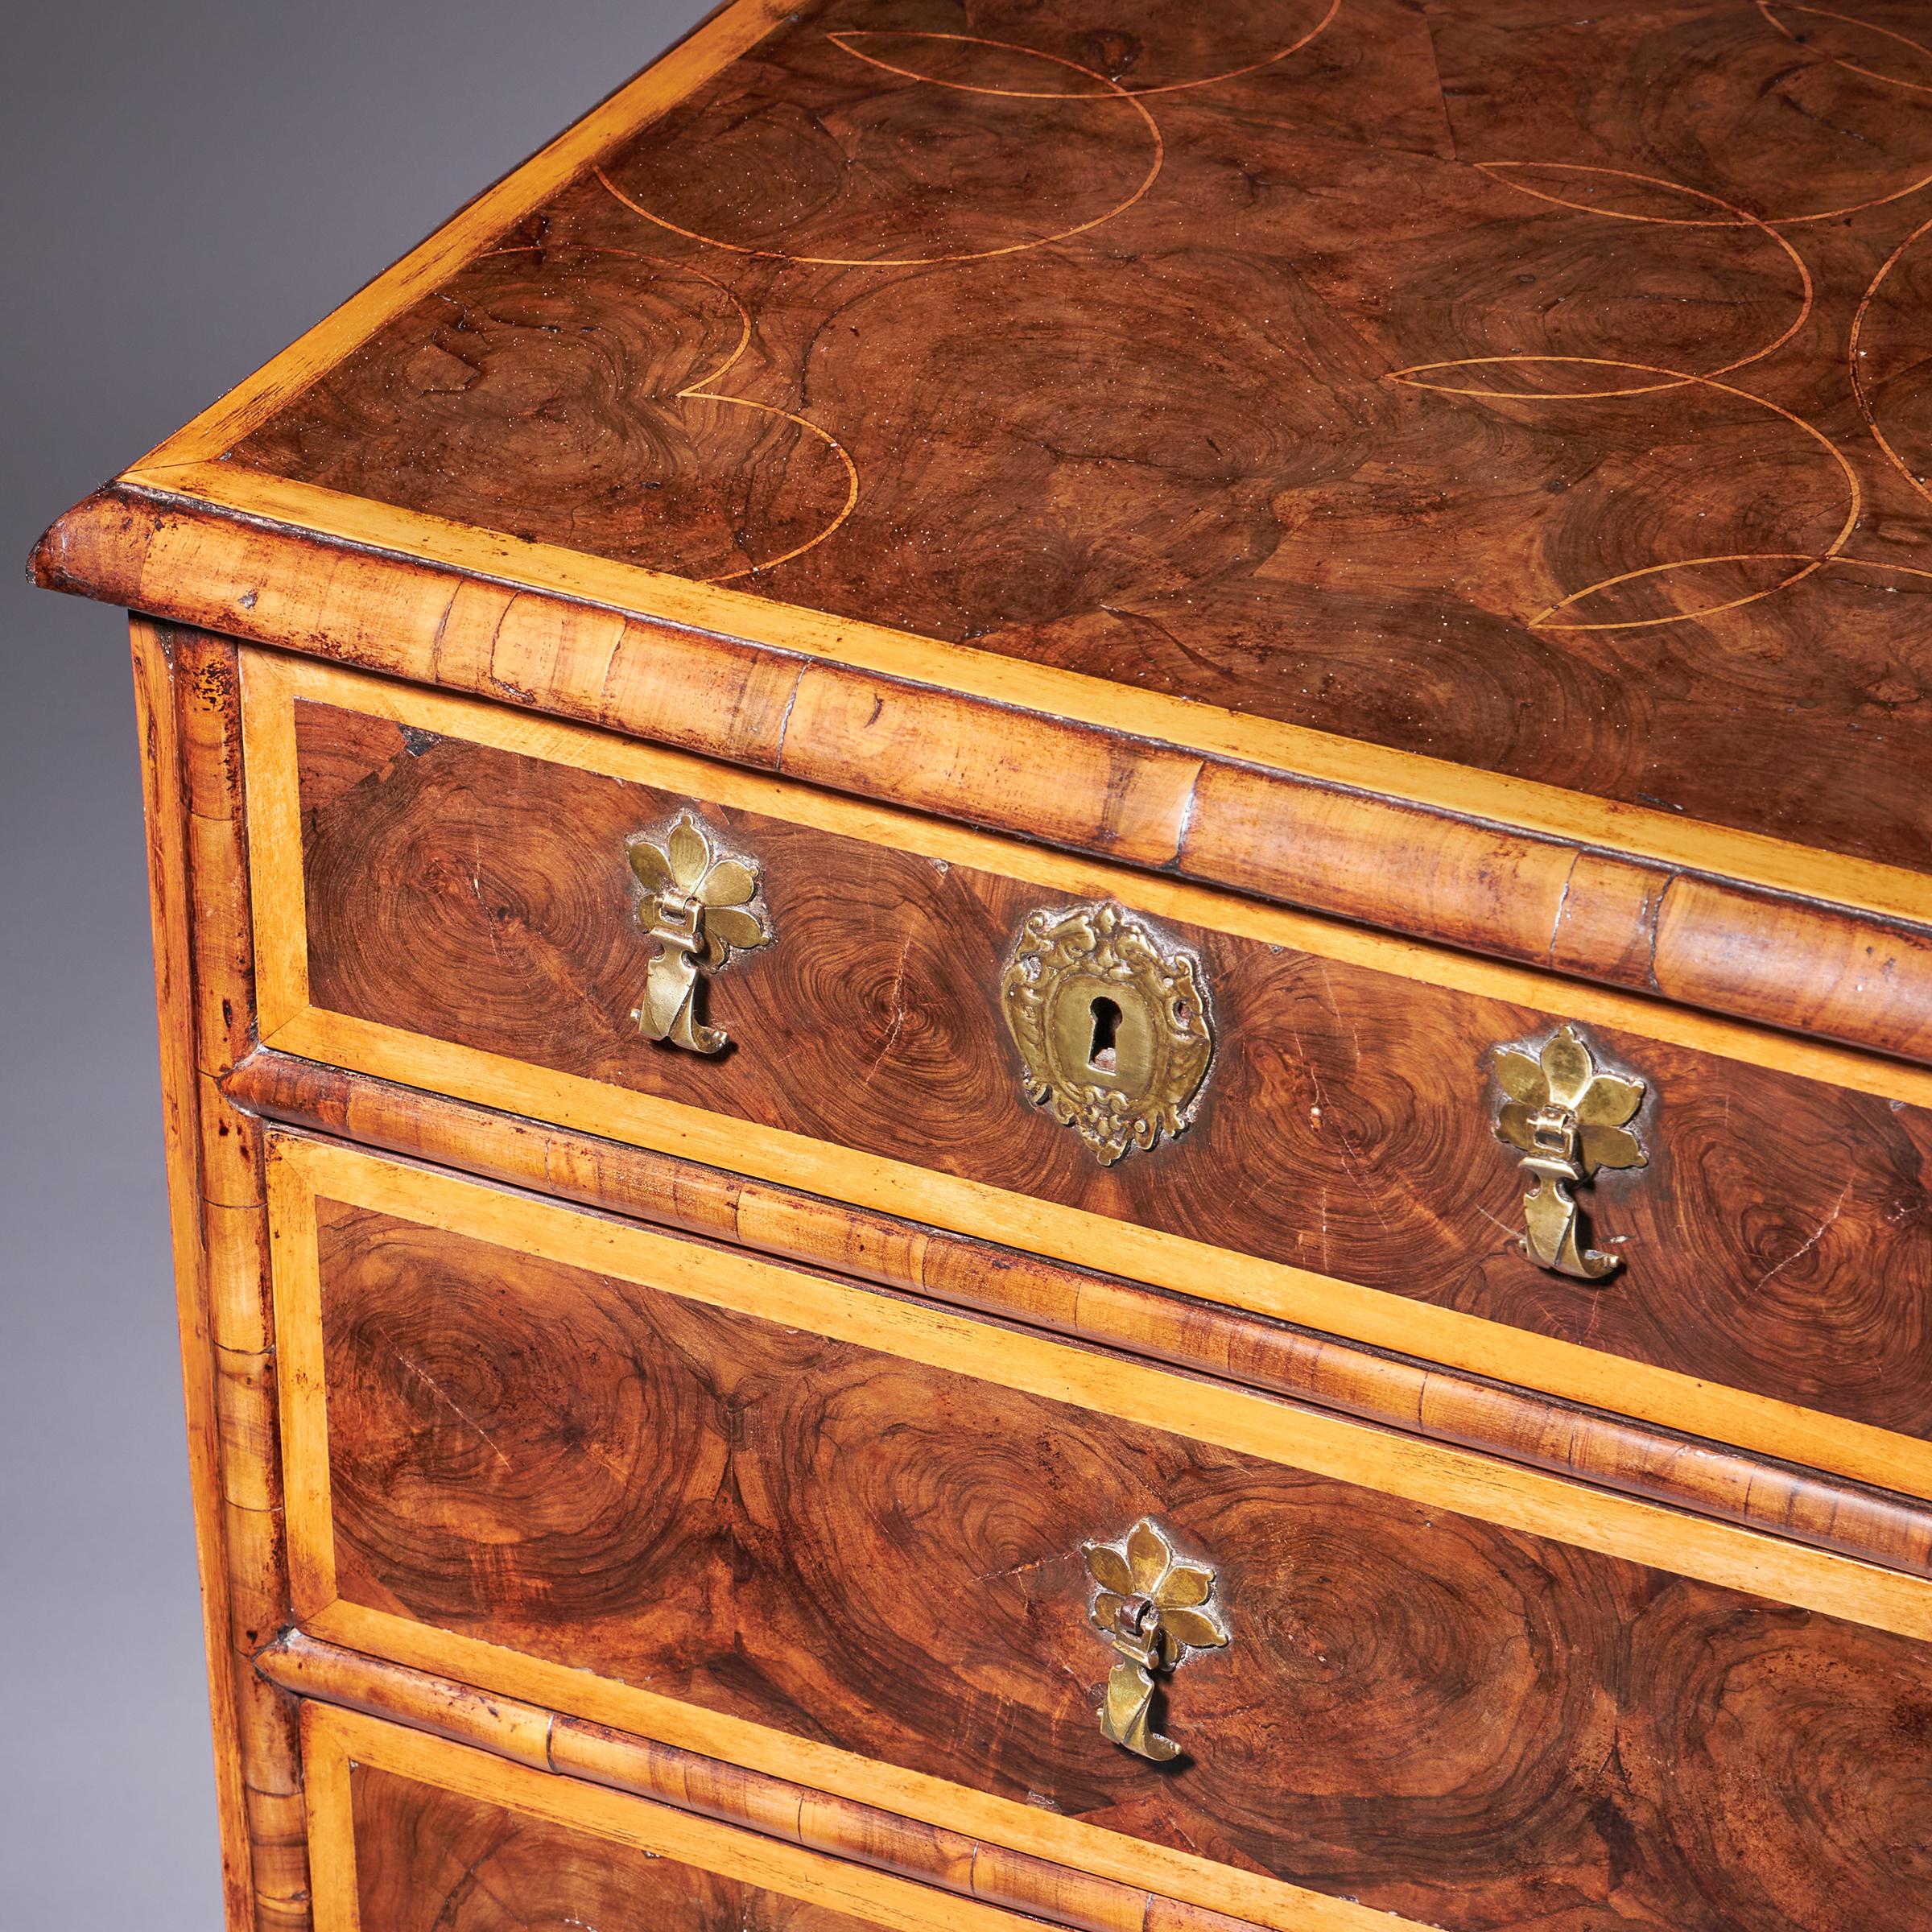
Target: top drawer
467	899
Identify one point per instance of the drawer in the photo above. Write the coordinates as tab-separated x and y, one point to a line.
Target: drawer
409	1833
847	1539
447	893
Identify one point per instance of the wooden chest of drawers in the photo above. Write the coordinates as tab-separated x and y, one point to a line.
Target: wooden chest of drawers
1045	939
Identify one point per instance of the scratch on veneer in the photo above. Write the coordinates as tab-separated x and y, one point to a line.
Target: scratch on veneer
1184	818
449	1402
1496	1221
896	1024
476	889
1433	1215
1562	905
1799	1252
1355	1032
1593	1323
1039	1562
435	644
791	698
1350	1155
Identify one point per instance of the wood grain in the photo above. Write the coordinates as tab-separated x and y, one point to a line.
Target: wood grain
189	708
1415	846
432	1861
304	1171
1461	469
547	1741
1438	1715
164	793
536	1847
1231	1418
476	895
287	1017
1611	349
1305	411
1435	1402
274	682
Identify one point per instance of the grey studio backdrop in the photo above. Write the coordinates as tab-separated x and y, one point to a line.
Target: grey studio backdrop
188	185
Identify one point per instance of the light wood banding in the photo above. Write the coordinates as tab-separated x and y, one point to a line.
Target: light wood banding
377	1788
1686	1471
188	707
1507	868
392	1283
442	900
546	1741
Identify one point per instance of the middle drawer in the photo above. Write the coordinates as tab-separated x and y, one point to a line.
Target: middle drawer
977	1576
464	898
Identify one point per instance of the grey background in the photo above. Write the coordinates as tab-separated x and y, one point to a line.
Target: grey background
188	187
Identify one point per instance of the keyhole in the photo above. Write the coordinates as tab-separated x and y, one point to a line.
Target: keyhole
1106	1035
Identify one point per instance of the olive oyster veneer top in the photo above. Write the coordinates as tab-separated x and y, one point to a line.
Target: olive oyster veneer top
1537	386
1530	393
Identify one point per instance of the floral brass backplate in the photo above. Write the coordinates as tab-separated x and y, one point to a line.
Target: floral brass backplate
1111	1025
1152	1608
696	907
1567	1118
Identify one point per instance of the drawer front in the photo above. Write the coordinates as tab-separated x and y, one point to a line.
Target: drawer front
850	1539
448	894
409	1833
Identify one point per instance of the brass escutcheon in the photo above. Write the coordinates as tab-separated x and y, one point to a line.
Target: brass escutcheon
1111	1023
1153	1608
696	907
1567	1119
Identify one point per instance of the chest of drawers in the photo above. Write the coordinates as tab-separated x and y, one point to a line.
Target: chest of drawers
1044	940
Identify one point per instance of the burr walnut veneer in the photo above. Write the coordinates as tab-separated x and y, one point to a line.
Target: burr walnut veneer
1044	921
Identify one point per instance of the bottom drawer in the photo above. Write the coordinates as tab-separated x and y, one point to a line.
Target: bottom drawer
409	1833
854	1541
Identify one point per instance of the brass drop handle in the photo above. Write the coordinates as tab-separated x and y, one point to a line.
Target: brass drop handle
696	907
1153	1609
1567	1119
